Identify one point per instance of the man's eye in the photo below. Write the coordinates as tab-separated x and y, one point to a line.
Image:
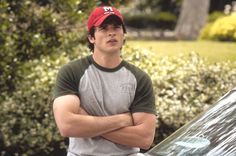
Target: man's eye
102	28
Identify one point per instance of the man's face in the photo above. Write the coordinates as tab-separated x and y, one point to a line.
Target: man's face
108	38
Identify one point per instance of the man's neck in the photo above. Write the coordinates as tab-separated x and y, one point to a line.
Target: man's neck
107	61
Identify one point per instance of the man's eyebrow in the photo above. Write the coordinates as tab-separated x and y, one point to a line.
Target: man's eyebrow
113	24
102	26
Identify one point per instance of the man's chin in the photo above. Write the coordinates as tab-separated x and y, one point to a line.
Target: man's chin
114	49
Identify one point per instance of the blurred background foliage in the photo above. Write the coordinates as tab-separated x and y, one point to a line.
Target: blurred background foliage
160	14
163	14
38	36
222	28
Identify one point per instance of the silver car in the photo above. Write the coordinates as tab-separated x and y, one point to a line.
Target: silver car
212	133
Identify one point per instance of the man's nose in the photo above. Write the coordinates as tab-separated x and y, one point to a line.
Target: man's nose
111	31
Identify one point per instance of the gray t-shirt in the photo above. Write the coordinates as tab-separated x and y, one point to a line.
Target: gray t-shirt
104	92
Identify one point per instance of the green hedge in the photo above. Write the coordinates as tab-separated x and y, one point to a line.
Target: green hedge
184	86
26	119
162	20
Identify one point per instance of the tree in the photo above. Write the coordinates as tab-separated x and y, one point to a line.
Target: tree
192	18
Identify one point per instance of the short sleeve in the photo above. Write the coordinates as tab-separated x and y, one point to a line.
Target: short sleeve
66	82
144	100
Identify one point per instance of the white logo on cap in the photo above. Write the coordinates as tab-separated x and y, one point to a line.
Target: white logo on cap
108	10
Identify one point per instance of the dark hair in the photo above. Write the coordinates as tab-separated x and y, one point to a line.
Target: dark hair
109	20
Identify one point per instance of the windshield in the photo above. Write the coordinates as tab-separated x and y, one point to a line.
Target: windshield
211	133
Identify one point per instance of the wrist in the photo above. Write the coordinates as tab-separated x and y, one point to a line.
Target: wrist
126	120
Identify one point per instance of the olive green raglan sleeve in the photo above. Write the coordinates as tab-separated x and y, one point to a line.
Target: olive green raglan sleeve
66	82
144	100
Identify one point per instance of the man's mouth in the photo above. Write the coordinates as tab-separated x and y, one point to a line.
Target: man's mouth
112	41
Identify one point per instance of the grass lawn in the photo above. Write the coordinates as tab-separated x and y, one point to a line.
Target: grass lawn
212	51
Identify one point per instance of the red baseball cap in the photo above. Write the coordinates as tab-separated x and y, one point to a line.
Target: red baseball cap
99	14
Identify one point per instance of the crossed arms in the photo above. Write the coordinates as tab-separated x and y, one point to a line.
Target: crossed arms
134	130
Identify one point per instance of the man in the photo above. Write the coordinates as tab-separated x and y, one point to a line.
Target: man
102	103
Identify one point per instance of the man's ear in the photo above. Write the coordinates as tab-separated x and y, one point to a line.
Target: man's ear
91	39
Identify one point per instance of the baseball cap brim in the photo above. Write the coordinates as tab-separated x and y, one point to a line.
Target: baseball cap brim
103	18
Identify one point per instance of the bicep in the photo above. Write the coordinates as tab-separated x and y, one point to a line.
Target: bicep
65	105
68	102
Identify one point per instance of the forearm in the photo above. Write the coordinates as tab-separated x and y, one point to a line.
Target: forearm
77	125
133	136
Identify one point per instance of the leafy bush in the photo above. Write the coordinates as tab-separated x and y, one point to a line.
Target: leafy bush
205	32
214	16
223	29
27	123
30	29
207	28
26	117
